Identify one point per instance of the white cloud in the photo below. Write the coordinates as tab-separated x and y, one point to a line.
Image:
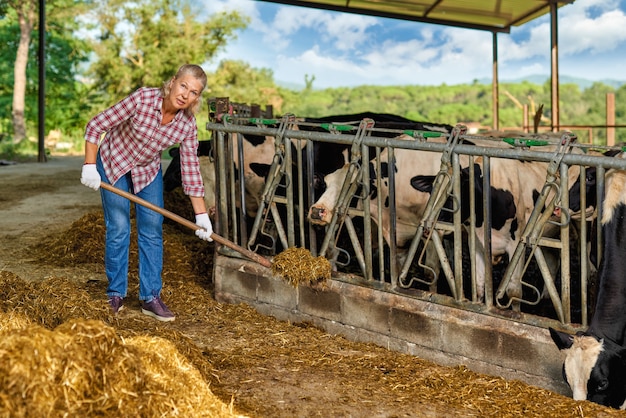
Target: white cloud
594	35
348	49
344	32
349	31
242	6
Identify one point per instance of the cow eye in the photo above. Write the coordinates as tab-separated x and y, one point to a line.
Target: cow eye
603	385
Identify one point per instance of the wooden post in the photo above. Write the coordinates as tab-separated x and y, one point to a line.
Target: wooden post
525	118
610	119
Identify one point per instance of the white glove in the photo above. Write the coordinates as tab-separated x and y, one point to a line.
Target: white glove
90	176
203	221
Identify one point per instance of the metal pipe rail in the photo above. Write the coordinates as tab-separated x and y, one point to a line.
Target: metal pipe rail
372	266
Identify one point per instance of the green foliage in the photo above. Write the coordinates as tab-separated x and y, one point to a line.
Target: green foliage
467	103
24	151
142	43
242	83
63	54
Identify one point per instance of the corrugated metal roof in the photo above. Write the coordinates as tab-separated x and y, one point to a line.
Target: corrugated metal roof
491	15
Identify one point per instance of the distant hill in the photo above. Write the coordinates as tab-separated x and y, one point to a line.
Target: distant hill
582	83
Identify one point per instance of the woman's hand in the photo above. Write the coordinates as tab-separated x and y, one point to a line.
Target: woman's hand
203	221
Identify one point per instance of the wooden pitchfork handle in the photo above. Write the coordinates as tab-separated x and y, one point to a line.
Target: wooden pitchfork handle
185	222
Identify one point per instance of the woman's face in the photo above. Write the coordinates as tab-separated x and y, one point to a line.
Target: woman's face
184	91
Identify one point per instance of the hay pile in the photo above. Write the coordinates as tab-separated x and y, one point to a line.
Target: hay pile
298	266
50	302
84	368
272	368
83	243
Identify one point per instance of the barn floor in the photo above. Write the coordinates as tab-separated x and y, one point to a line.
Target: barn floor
51	227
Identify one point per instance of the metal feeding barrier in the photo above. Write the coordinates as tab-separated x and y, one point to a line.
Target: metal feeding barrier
353	242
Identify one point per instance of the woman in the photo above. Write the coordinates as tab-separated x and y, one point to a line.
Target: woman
136	130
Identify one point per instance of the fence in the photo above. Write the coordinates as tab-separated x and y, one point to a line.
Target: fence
354	245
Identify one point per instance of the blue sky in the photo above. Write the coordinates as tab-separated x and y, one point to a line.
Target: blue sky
345	50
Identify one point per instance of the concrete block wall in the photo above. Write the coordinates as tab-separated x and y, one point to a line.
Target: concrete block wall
443	334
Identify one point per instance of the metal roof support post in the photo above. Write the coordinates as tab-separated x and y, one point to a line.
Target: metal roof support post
495	84
41	131
554	38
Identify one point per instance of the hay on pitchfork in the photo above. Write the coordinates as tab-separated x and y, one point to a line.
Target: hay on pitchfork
298	266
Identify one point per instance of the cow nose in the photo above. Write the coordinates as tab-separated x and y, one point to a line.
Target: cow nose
316	213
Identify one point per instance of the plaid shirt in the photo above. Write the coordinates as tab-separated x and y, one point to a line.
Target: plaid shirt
135	139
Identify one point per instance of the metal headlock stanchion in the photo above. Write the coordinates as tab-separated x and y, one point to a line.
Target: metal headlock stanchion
278	170
353	177
531	236
426	232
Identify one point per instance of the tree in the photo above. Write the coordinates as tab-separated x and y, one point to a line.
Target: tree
241	83
64	52
143	42
26	11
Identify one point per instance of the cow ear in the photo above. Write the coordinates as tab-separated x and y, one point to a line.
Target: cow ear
611	153
561	339
260	169
423	183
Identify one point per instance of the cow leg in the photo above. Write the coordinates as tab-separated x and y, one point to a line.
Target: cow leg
480	265
514	287
479	262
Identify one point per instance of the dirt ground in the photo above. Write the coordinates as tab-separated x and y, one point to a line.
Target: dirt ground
50	226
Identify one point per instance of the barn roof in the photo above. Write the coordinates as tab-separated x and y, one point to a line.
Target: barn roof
490	15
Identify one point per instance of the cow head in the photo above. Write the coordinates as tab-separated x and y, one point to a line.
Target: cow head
321	212
594	368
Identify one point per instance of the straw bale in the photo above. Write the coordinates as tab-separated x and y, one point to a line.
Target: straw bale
298	266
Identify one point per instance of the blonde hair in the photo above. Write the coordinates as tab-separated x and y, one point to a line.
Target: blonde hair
198	73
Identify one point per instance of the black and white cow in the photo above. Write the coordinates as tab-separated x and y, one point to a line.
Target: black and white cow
414	172
330	157
257	151
515	186
595	360
171	177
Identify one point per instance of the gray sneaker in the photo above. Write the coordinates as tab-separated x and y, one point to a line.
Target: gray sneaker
116	304
157	309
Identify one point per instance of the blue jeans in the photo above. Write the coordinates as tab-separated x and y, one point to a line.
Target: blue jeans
149	237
